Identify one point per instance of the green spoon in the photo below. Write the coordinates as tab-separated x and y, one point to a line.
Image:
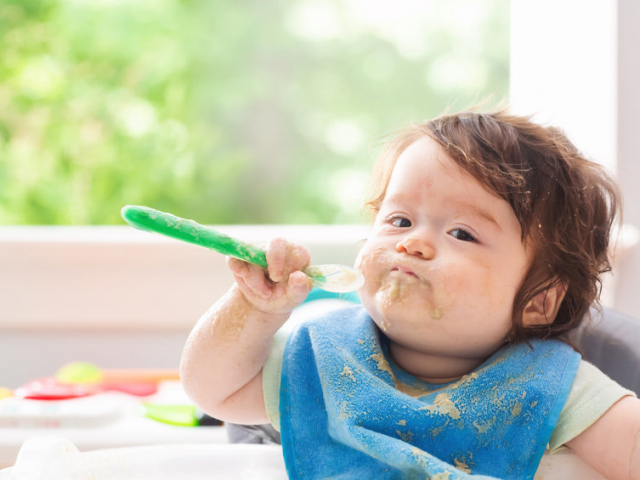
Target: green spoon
333	278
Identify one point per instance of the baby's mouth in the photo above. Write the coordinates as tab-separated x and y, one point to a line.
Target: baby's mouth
402	282
409	275
401	277
404	270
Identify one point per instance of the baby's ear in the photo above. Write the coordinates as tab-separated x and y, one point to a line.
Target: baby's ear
543	308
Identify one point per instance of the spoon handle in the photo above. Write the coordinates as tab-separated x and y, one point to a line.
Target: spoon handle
333	278
151	220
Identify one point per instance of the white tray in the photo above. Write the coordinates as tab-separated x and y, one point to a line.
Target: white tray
54	458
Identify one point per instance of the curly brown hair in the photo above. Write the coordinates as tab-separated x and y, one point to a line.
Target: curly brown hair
565	204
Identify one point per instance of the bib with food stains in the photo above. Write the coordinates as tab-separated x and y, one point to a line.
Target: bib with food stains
346	411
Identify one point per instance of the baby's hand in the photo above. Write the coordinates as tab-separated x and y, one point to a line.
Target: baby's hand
284	286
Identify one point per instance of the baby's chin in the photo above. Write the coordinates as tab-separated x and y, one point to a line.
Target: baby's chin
411	311
396	290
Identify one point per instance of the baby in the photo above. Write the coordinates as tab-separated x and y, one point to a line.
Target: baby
490	234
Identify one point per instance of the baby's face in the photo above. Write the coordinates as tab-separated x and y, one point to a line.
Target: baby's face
444	260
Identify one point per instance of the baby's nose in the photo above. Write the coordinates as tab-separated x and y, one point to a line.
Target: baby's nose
416	246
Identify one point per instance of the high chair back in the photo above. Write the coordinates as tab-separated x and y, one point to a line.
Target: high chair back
611	341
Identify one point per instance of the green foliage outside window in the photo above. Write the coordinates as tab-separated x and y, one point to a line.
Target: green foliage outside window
225	112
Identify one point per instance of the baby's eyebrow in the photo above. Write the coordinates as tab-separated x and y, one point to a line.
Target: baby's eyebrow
482	213
462	207
396	199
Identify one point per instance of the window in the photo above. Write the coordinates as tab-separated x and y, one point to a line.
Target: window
225	112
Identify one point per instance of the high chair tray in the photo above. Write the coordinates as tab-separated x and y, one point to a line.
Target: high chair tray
55	458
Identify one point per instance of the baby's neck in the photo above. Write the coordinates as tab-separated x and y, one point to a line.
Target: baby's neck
431	368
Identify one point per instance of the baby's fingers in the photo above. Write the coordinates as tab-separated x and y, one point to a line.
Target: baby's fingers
299	287
284	257
276	251
250	278
237	266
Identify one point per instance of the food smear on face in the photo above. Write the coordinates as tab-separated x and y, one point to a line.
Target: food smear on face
394	288
397	286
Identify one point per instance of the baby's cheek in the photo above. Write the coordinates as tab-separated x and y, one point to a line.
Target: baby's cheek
469	288
371	263
358	263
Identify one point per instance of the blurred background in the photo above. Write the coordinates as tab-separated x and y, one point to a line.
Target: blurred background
244	112
251	114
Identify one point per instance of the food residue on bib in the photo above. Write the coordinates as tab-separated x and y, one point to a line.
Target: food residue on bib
516	409
486	426
347	372
405	436
345	412
441	476
402	387
460	465
443	406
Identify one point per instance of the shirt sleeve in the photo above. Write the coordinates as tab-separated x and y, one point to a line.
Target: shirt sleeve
271	377
591	395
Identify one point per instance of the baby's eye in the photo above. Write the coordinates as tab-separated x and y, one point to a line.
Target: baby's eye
400	222
462	235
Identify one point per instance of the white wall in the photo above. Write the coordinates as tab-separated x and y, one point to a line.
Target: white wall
563	69
576	64
628	137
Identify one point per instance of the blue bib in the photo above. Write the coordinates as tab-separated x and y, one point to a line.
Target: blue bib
346	411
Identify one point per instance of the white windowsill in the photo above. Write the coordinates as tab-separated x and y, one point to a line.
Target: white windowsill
118	278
